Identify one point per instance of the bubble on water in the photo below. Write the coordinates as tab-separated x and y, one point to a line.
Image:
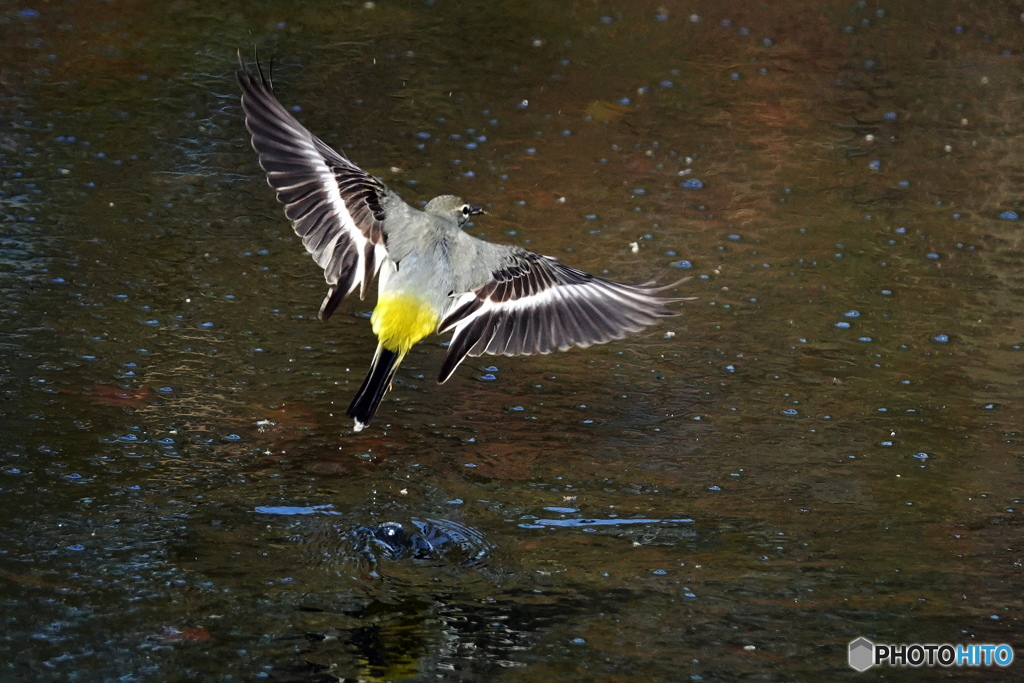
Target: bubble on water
1008	215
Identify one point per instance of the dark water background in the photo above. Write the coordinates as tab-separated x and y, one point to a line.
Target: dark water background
825	444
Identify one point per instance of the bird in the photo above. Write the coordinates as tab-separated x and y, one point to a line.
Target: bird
432	276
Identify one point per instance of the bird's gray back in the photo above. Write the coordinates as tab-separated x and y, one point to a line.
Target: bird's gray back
474	261
418	245
435	256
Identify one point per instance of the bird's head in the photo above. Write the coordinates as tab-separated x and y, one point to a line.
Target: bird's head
453	208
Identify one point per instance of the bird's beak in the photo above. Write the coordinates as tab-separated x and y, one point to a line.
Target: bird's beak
477	211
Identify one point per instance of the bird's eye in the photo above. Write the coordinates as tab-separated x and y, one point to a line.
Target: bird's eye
465	209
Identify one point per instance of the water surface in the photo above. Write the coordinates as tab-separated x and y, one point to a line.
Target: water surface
825	444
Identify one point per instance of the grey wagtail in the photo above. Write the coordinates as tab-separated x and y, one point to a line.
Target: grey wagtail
432	276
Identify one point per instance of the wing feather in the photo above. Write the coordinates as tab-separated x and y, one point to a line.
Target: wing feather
533	304
334	206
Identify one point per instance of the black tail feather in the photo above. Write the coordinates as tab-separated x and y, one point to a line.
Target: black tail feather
374	386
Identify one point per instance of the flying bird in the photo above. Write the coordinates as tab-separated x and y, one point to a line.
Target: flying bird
431	275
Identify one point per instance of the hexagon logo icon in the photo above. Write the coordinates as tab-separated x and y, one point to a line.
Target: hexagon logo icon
862	654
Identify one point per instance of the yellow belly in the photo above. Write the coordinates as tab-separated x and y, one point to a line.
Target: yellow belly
400	320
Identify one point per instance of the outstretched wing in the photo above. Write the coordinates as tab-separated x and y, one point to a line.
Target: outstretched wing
335	207
533	304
